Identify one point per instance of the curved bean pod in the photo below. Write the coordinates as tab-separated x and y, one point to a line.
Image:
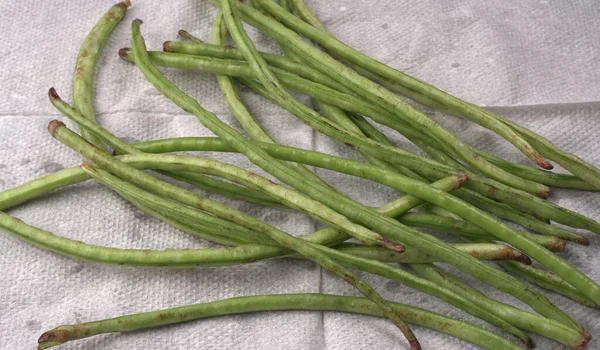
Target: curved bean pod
314	302
83	79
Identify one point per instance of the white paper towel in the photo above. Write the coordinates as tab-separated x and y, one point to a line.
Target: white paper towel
537	59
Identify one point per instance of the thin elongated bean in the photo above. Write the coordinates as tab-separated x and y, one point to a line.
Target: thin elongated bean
312	302
130	257
391	227
36	188
241	113
571	162
241	254
83	79
462	227
506	212
481	251
538	175
549	281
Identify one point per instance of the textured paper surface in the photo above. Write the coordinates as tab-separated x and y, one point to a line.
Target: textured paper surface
538	60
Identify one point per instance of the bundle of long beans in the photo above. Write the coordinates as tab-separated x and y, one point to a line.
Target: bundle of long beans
458	189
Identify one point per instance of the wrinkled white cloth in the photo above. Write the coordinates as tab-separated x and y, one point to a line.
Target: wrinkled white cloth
535	62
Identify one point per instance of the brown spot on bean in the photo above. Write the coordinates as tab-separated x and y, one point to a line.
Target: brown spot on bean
395	246
166	316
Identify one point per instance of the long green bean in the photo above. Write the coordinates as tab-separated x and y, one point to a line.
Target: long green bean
481	251
219	256
316	302
528	221
549	281
83	79
461	227
130	257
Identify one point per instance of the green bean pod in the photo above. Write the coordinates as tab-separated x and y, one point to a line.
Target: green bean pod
91	48
313	302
